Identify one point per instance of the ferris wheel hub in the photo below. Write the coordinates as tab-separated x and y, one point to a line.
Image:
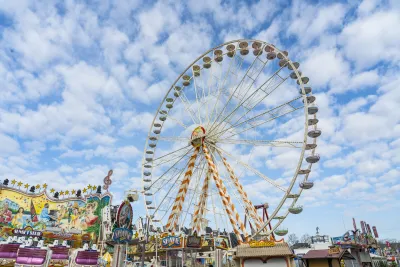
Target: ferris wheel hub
198	136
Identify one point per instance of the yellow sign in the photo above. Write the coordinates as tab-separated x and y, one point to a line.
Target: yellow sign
261	243
335	250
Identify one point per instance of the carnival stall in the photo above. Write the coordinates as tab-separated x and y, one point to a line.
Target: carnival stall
41	226
360	243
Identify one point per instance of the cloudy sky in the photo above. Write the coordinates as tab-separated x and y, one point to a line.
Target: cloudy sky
81	80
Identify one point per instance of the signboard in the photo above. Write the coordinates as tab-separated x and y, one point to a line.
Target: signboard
42	212
172	242
124	215
27	232
345	239
335	250
193	242
261	243
221	242
207	242
63	236
122	235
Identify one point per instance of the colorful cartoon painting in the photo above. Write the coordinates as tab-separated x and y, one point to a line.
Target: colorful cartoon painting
222	242
19	210
124	215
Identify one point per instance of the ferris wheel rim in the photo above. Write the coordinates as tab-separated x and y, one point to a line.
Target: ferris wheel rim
305	131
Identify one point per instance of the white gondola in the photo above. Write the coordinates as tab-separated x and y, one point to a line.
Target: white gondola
281	232
310	99
307	90
295	64
304	80
313	158
186	80
296	210
306	185
312	121
311	146
314	133
305	171
312	110
271	55
293	75
283	63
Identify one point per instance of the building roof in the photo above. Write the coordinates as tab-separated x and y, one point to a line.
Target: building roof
280	249
324	254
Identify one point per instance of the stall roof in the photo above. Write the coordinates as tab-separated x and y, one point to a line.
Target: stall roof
280	249
323	254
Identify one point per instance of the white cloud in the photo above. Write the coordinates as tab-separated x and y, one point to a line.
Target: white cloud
330	65
366	7
9	145
313	21
372	39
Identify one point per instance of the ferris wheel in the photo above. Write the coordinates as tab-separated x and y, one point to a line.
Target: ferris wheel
218	143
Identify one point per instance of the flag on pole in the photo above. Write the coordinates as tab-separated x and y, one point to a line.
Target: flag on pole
354	225
375	232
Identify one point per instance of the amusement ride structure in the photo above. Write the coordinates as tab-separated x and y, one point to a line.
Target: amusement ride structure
230	107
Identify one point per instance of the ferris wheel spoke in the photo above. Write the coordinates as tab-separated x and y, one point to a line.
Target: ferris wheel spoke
245	76
187	105
247	88
168	160
174	139
176	120
261	123
210	83
272	143
203	100
198	102
173	152
272	114
266	89
169	191
264	177
236	62
171	168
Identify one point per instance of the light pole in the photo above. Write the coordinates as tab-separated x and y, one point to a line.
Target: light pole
145	239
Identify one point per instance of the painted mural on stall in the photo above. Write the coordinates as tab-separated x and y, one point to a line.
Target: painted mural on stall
19	210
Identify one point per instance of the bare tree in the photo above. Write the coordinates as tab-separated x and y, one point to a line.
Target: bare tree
306	238
292	239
